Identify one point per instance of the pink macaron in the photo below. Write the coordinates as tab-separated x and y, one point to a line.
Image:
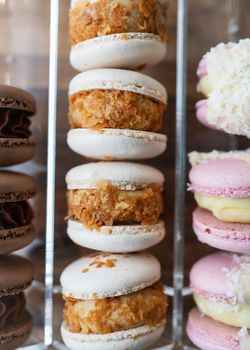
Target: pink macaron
228	178
208	334
201	114
229	236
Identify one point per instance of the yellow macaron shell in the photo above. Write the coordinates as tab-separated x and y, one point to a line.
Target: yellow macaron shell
225	209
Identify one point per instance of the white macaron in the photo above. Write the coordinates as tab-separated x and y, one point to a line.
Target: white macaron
116	143
91	278
118	79
116	239
126	50
124	175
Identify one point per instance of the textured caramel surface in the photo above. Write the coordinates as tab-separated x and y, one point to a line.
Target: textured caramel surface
104	17
146	307
97	109
108	206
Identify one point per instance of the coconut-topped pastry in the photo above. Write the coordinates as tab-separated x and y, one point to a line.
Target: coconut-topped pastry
224	74
115	206
220	283
115	98
113	301
128	33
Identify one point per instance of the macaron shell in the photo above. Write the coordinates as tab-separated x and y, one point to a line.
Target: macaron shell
134	339
16	186
13	97
233	237
18	334
124	274
16	151
117	239
126	51
116	144
124	175
222	177
118	79
16	274
208	334
16	238
201	114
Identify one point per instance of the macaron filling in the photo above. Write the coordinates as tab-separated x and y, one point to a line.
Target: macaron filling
237	315
102	316
117	109
109	205
15	214
90	19
11	307
225	209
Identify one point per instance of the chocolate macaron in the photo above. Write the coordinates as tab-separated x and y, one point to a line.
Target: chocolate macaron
16	274
16	143
16	229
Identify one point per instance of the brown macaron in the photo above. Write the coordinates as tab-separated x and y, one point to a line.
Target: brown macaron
16	228
16	274
16	142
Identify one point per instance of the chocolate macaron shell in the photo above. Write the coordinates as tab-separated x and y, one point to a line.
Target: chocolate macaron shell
16	186
13	337
16	150
16	238
16	274
15	98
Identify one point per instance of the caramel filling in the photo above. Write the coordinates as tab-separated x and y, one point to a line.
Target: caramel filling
103	17
115	109
102	316
108	206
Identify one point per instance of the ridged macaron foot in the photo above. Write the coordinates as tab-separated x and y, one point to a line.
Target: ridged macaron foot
16	142
220	283
116	99
129	34
116	144
124	310
229	236
221	184
16	228
114	193
208	334
16	274
224	79
117	239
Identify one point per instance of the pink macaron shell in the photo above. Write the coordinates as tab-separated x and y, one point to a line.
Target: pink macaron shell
232	237
209	276
202	68
201	114
208	334
228	178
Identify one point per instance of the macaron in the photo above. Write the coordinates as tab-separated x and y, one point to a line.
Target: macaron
208	334
16	142
16	274
116	144
229	236
116	99
124	310
220	283
129	34
16	228
224	77
114	193
222	185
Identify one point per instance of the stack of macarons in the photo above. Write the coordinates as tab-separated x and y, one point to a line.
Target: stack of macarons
114	298
224	77
16	229
220	182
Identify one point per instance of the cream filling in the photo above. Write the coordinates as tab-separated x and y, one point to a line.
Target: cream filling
226	209
206	85
233	315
